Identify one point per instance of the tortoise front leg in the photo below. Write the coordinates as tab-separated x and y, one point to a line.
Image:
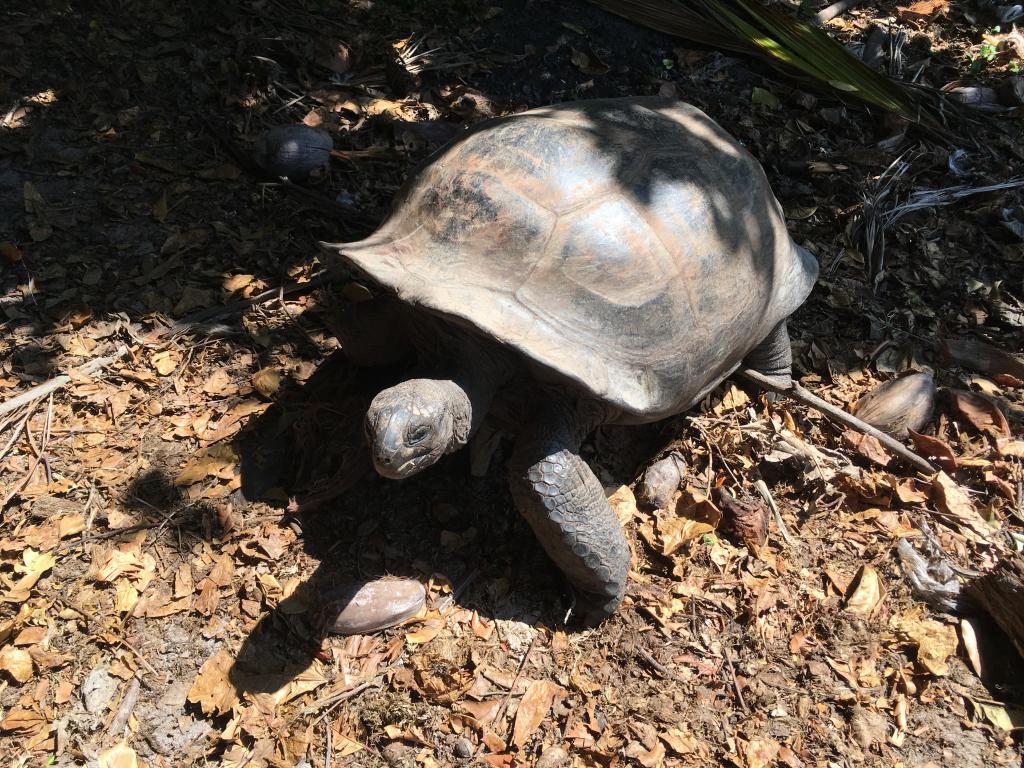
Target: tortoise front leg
564	503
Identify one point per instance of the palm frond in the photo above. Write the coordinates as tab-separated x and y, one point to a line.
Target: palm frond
797	47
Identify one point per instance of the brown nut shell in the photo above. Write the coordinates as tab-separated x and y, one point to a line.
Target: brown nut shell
899	405
356	609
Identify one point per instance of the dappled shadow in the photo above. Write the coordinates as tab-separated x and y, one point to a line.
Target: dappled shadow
156	503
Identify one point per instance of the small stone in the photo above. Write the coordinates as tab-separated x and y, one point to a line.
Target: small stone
98	689
463	748
552	758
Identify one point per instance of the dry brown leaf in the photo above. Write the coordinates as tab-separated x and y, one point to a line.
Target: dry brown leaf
498	761
866	446
1010	448
654	757
209	598
922	11
867	592
935	449
935	641
345	746
23	722
623	503
212	689
267	381
907	490
953	501
165	363
218	382
113	563
218	461
494	742
760	752
679	742
184	585
16	662
31	636
695	515
533	708
34	565
120	756
426	633
979	411
482	711
1003	717
984	358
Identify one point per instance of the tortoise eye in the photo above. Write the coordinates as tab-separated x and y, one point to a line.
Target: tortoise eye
417	435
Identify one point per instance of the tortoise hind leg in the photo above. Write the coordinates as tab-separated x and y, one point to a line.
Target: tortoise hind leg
565	505
773	357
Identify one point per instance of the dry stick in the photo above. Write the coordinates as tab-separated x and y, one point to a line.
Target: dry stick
18	429
42	390
216	313
125	709
762	489
511	688
801	395
162	678
827	14
735	682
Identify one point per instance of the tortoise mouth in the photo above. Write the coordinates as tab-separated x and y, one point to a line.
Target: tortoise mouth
405	469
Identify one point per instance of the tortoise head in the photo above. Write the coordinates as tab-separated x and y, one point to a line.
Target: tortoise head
413	424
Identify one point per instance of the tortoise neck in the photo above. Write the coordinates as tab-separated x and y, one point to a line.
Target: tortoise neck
478	377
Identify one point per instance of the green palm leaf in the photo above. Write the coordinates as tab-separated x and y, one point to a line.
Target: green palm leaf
799	48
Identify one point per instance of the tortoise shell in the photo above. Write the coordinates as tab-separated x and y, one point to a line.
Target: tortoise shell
629	245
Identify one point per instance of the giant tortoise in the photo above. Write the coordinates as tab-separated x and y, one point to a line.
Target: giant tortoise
617	259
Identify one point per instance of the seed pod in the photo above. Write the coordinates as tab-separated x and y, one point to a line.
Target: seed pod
899	405
355	609
293	151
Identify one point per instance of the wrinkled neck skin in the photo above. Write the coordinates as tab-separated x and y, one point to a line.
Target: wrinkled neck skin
474	378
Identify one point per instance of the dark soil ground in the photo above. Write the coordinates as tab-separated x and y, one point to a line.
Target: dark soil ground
172	520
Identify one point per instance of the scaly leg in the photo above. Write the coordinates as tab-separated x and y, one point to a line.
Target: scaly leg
565	505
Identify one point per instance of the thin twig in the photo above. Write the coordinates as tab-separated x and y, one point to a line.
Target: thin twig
336	698
142	659
762	489
445	602
519	672
58	382
735	682
18	429
237	307
801	395
664	671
